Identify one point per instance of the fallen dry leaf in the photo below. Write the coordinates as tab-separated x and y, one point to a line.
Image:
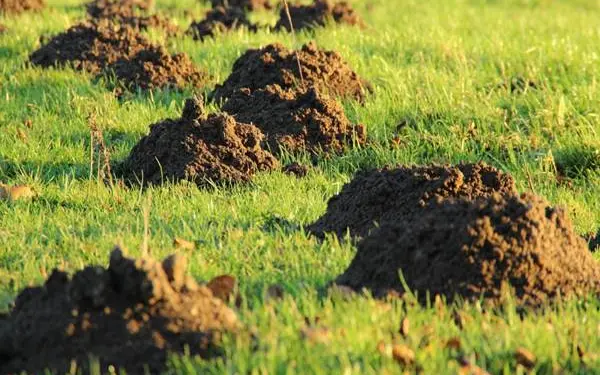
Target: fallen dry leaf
403	354
14	193
405	327
317	335
223	286
525	358
180	243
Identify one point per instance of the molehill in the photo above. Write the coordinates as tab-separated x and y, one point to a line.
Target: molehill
317	14
129	315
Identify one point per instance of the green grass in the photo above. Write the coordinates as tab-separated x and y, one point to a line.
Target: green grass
437	66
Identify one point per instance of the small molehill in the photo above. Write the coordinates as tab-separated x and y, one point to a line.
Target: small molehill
20	6
130	315
275	64
199	148
295	169
476	248
154	68
106	48
90	46
220	20
296	120
397	194
243	4
317	14
129	12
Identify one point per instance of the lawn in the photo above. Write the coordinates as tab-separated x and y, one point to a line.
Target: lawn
439	70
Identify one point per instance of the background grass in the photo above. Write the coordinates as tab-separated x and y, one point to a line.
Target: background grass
438	68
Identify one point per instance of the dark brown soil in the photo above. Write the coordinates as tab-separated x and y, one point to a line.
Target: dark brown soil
199	148
400	193
154	67
127	12
243	4
20	6
317	14
91	46
472	248
296	120
106	48
220	20
275	64
295	169
129	315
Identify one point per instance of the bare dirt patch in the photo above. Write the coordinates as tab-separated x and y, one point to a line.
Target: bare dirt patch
105	48
243	4
220	20
129	315
275	64
396	194
317	14
199	148
296	120
20	6
472	248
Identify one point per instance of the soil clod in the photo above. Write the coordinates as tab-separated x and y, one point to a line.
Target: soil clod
128	12
296	169
317	15
130	315
296	120
376	196
243	4
275	64
200	148
473	248
20	6
220	20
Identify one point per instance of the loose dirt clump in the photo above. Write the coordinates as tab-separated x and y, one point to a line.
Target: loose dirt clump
20	6
376	196
472	248
154	67
90	46
243	4
275	64
220	20
296	120
295	169
199	148
130	315
317	14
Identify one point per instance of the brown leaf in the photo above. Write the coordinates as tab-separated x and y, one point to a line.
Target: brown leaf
403	354
405	327
17	192
223	286
180	243
525	358
317	335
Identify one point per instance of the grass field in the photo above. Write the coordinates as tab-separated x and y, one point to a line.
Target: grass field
436	66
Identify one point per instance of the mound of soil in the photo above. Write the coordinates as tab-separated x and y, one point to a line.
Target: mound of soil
317	14
219	21
153	68
126	12
200	149
110	8
473	248
129	315
296	120
243	4
91	46
398	194
20	6
275	64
